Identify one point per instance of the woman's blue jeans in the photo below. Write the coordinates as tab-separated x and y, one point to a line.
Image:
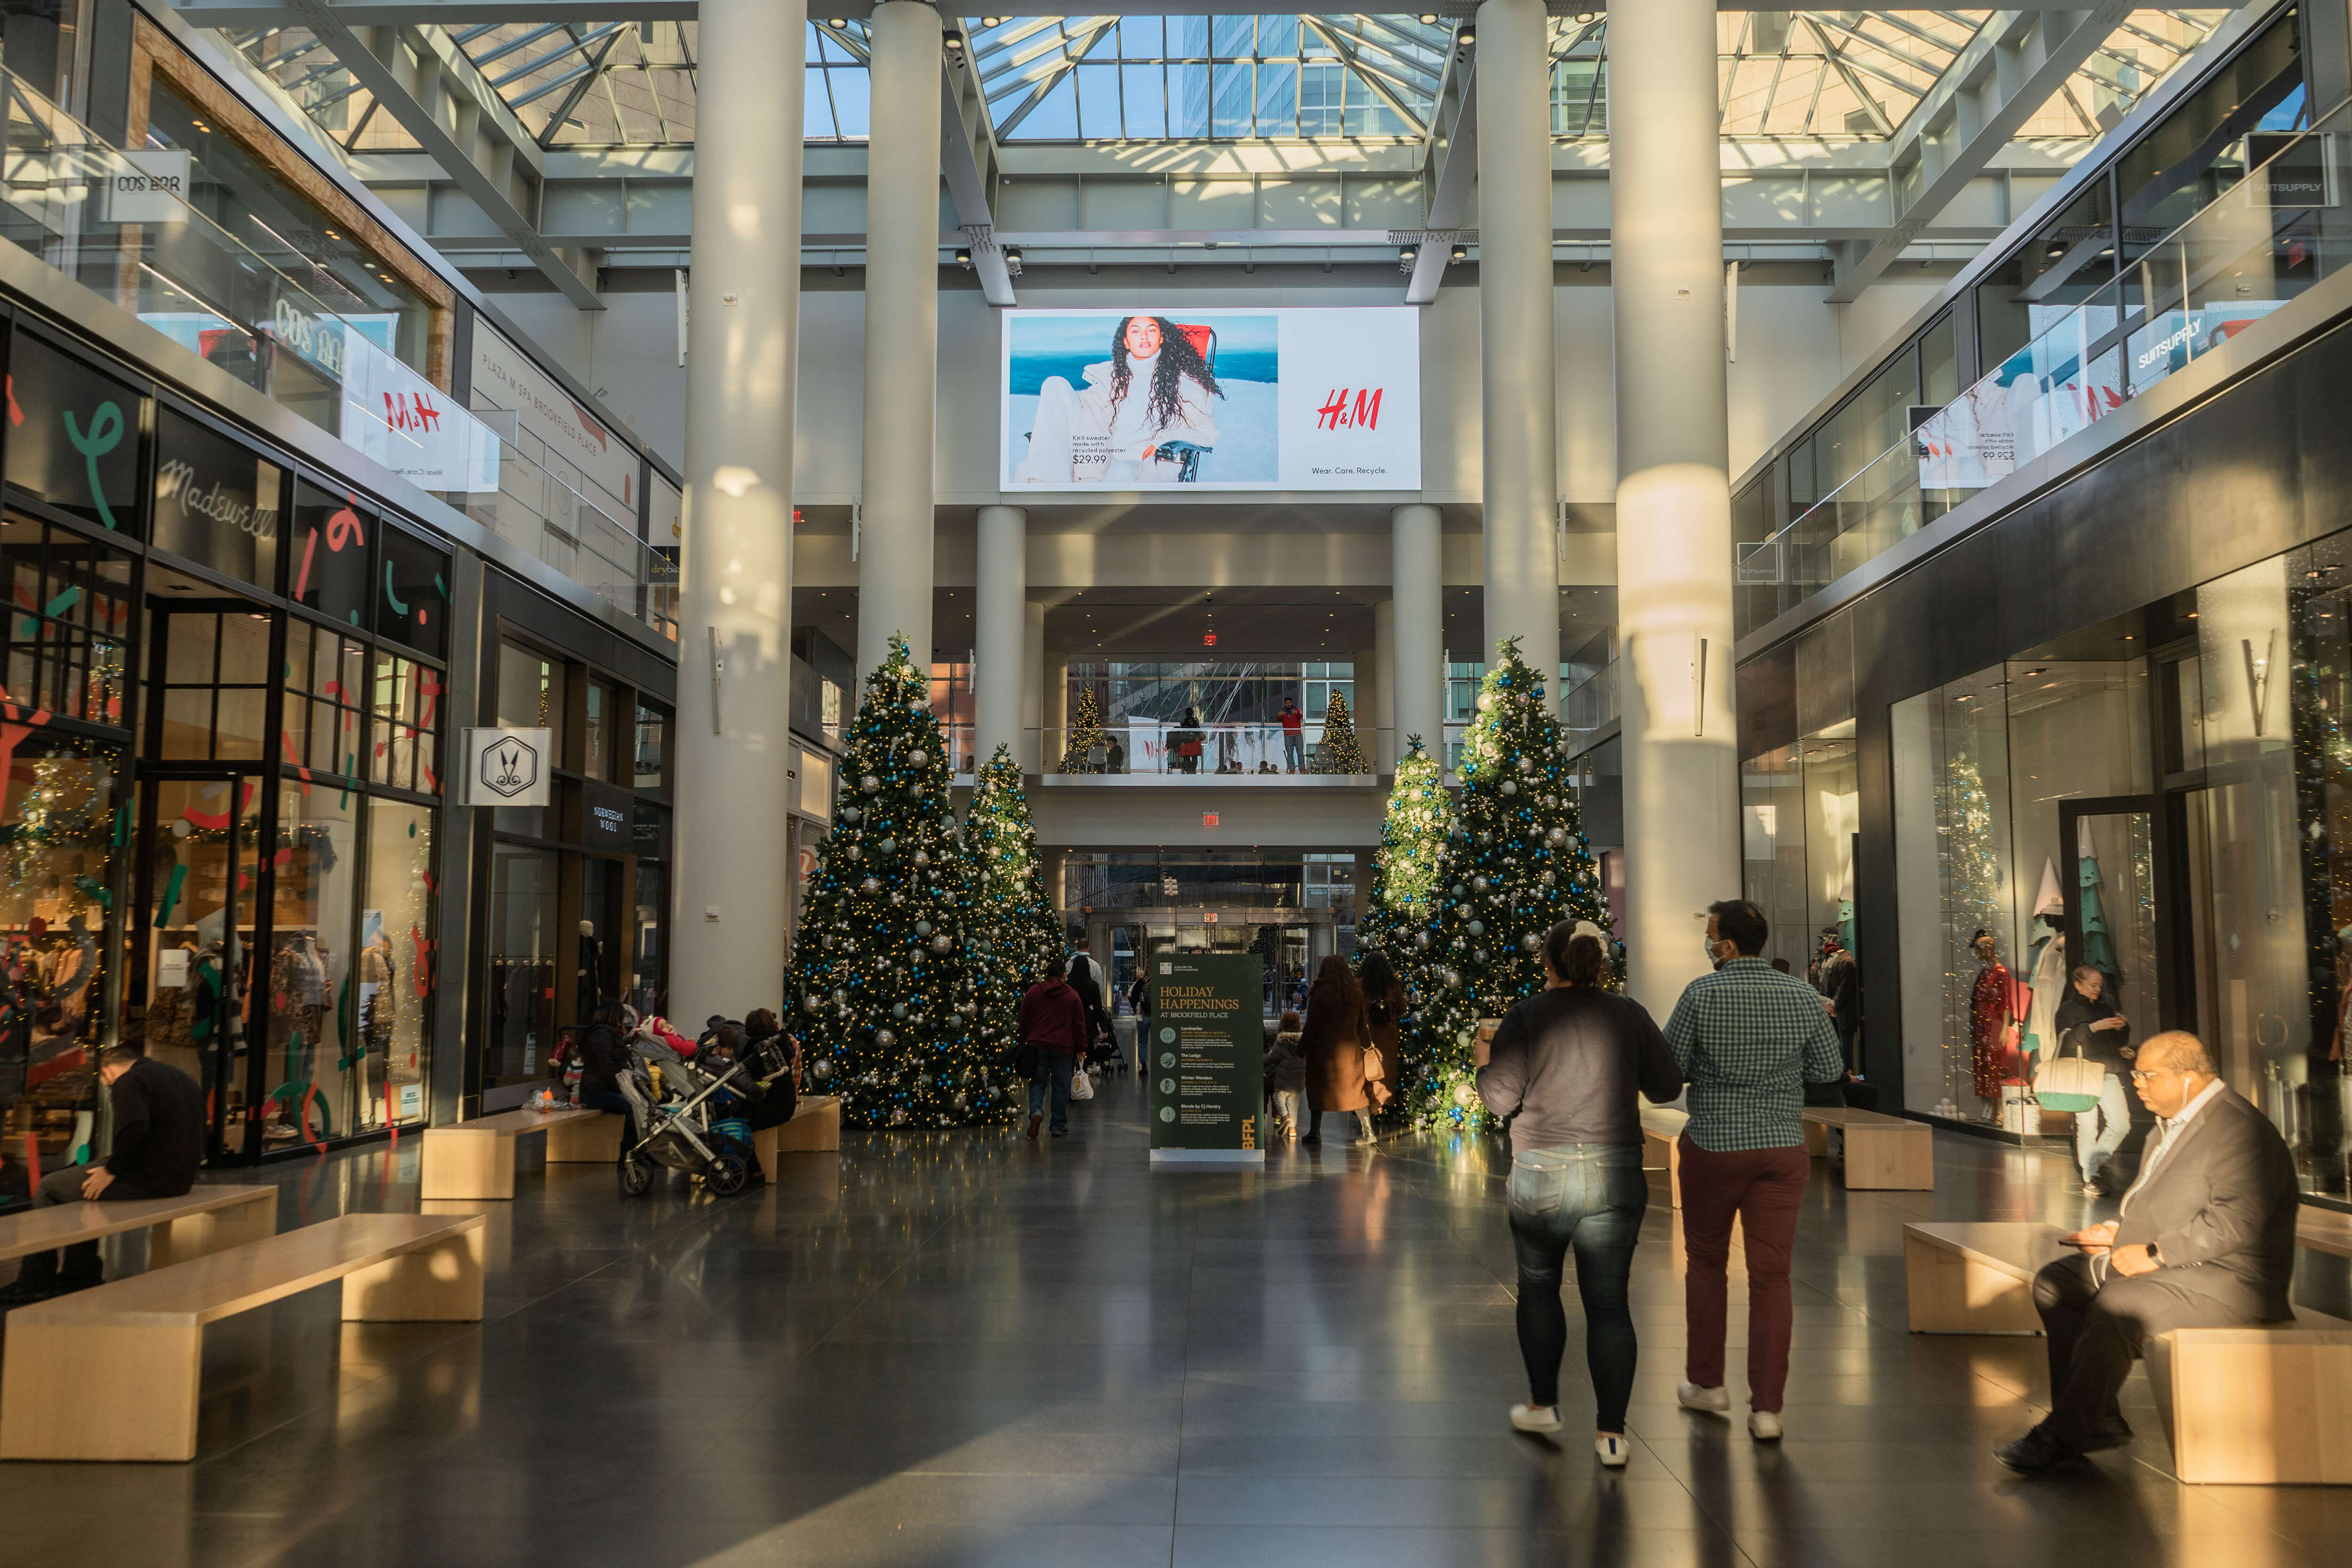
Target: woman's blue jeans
1590	1198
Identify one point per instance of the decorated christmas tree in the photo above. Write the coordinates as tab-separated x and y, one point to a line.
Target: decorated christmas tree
1340	754
884	976
1015	925
1088	743
1515	863
1405	868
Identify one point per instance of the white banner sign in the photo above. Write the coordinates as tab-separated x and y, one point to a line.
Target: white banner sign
153	189
510	767
505	377
1211	399
411	426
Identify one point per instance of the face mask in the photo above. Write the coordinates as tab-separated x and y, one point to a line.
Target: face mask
1707	945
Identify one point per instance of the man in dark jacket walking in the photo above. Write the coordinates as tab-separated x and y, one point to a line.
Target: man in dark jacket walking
1087	980
1053	1021
159	1142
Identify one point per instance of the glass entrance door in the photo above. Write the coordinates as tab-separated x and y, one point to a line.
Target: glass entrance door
198	882
2248	996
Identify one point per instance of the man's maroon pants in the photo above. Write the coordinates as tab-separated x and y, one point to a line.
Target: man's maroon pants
1764	1188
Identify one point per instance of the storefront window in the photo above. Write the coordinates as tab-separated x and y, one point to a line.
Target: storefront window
413	607
330	559
68	628
326	698
398	957
599	740
2026	838
531	690
56	930
216	694
76	446
652	730
216	502
408	701
523	911
198	870
313	1075
1772	845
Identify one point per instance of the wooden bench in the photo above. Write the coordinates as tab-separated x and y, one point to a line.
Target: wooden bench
203	1220
112	1372
2324	1230
815	1128
1662	1148
476	1159
1976	1278
1882	1152
2269	1406
595	1142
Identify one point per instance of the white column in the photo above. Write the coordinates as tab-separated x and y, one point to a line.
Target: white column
1417	578
1054	701
1514	332
1674	497
902	332
1364	706
999	627
1385	674
735	597
1033	686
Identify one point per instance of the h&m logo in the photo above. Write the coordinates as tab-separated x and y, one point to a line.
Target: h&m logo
1336	413
410	411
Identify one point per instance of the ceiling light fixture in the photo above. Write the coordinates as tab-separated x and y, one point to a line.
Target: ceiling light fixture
1429	18
963	257
953	43
1459	253
1465	36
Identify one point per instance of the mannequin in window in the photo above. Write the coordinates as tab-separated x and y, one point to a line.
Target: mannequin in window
1990	1007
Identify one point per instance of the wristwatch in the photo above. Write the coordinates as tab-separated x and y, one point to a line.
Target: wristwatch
2153	1255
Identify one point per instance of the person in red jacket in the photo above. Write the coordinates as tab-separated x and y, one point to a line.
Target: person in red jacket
1054	1020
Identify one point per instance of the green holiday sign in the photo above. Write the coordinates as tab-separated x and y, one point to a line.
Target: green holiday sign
1205	1052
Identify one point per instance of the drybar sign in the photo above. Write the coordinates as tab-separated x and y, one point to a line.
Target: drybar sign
508	767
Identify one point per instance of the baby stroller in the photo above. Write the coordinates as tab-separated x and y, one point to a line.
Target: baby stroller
681	1122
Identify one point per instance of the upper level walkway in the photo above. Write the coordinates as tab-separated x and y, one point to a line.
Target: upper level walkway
964	1348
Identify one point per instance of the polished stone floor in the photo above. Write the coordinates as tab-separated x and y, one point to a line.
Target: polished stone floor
963	1349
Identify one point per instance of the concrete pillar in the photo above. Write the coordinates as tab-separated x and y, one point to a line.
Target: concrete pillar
1674	495
1385	674
1364	706
999	627
1054	697
1033	686
727	929
1417	614
1515	330
902	333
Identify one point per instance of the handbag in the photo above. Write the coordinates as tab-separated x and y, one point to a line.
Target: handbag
1024	1062
2070	1083
1375	1069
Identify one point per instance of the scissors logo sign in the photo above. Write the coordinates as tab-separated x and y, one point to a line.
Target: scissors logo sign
510	766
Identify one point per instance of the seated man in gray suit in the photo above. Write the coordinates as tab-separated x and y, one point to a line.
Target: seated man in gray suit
2205	1239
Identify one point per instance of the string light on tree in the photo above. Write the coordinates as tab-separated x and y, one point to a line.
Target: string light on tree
1014	933
1089	746
885	987
1339	753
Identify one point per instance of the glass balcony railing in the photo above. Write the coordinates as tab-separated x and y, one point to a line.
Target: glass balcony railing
2276	232
120	225
1589	704
1173	749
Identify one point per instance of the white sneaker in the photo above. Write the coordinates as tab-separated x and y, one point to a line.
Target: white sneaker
1764	1425
1691	1396
1612	1450
1536	1417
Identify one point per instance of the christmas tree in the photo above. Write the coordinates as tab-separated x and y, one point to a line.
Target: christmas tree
1014	920
1089	745
1516	864
883	974
1404	870
1340	754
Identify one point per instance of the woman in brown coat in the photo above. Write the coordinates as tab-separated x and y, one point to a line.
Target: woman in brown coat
1333	1043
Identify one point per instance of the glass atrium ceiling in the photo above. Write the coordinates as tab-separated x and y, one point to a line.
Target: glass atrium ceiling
1835	75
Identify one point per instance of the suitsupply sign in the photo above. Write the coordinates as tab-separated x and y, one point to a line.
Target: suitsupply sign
1166	398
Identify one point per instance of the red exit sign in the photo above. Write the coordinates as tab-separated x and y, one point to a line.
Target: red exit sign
1208	639
1208	819
1209	917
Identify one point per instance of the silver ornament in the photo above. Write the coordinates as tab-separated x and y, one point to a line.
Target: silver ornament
918	756
889	846
941	943
823	1070
869	784
884	1038
871	885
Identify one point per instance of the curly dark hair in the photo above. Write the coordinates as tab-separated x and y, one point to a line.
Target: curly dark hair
1178	359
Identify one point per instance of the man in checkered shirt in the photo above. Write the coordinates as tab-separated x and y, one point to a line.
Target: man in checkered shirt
1749	1038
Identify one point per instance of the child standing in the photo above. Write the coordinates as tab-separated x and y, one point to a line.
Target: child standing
1286	1076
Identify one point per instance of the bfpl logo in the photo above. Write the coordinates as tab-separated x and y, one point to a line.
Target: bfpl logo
411	410
510	768
1336	415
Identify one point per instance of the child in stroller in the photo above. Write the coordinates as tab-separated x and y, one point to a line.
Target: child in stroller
682	1114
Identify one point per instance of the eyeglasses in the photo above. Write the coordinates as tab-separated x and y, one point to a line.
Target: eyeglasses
2139	1077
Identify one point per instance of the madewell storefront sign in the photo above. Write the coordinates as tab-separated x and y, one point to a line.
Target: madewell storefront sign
1204	1052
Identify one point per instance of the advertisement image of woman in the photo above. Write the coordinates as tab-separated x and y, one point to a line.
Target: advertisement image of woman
1143	413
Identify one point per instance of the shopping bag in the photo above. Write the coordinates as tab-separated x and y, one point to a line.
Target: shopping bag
1081	1086
2070	1083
